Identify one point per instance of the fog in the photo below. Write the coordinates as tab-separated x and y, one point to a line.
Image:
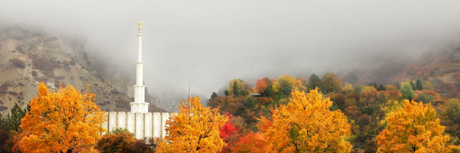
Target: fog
210	42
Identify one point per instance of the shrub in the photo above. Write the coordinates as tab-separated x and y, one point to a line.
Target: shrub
425	98
120	140
4	88
34	73
140	147
18	63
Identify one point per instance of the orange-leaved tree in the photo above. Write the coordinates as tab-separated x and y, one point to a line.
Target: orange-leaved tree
194	129
64	121
252	142
306	125
413	128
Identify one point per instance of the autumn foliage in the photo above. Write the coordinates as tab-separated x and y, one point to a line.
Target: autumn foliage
261	85
194	129
251	142
228	133
306	125
413	128
64	121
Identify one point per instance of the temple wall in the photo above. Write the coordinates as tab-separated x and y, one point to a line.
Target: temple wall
143	125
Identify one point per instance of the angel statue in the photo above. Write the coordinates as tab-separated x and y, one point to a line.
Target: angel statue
140	26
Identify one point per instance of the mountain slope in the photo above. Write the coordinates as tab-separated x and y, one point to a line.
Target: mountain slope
441	68
27	58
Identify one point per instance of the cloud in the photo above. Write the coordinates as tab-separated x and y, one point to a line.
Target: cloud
210	42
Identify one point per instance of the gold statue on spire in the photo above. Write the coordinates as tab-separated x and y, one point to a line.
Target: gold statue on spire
140	26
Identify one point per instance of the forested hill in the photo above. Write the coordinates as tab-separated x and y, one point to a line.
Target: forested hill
366	106
441	68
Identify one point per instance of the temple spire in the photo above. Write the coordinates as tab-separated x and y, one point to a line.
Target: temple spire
139	104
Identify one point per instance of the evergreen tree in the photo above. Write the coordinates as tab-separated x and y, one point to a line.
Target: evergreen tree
413	85
375	85
268	90
226	93
381	88
249	102
214	95
12	121
314	82
235	89
418	85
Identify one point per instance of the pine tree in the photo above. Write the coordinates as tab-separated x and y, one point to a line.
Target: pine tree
413	85
214	95
235	89
381	88
314	82
12	121
418	85
226	93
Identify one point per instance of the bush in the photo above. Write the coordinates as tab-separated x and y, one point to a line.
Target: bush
425	98
140	147
34	73
18	63
4	88
121	140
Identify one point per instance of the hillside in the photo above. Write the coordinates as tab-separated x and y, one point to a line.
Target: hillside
441	68
27	58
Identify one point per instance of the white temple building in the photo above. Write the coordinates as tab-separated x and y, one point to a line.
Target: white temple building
139	105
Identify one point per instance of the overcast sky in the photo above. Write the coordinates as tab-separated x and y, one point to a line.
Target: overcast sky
210	42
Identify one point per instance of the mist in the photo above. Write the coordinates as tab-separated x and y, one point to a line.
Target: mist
208	42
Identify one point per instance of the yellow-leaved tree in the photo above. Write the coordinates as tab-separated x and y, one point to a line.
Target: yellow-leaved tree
306	125
414	128
64	121
194	129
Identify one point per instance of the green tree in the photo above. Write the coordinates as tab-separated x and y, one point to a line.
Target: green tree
314	82
418	85
381	88
407	92
249	102
214	95
12	121
235	89
331	83
413	85
226	93
269	90
358	88
453	111
425	98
